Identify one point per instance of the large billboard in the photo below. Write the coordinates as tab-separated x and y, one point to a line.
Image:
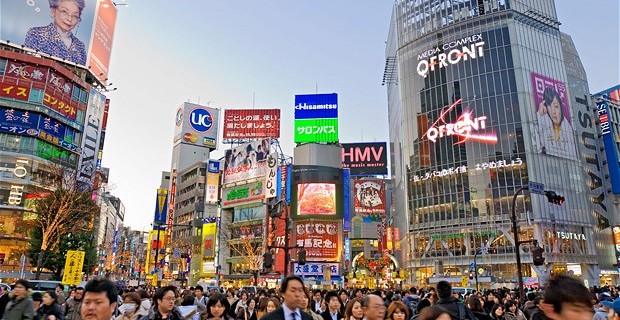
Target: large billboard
316	199
208	240
90	140
251	123
603	100
316	118
196	125
365	158
321	239
246	161
316	192
245	194
556	136
80	32
369	199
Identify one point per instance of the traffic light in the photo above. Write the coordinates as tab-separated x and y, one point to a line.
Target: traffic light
471	275
267	260
537	256
554	198
301	258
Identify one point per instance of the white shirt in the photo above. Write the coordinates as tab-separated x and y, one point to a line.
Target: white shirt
288	313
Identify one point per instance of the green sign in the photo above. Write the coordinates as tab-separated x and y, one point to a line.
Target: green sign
316	130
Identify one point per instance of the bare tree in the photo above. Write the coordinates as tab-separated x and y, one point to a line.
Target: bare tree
247	241
68	208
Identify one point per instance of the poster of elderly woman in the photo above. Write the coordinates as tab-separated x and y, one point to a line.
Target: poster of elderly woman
61	28
556	136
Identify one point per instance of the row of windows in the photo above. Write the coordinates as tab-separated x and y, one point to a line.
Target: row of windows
33	146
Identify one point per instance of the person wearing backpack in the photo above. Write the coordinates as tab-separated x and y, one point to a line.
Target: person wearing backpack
457	309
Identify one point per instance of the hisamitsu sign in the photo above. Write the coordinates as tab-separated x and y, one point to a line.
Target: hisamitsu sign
316	118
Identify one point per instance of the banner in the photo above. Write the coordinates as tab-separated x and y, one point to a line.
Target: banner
369	199
73	268
91	137
319	238
271	177
365	158
246	161
213	181
251	123
161	210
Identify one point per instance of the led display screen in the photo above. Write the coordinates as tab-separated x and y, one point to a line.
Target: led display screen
316	199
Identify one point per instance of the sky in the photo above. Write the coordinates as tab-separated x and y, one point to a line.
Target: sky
245	54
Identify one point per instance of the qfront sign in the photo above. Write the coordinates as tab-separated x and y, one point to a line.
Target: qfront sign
470	47
465	128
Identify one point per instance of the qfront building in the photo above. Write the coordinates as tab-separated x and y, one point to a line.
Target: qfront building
483	98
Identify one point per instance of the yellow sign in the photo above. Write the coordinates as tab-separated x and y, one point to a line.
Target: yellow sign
73	267
464	281
155	278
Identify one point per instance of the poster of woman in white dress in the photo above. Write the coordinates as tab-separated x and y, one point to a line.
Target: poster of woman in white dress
555	133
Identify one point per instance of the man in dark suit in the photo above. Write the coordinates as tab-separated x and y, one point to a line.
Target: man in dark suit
333	307
292	291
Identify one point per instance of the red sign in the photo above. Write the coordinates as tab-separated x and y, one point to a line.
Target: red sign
251	123
103	35
58	95
14	89
26	71
369	199
319	238
276	237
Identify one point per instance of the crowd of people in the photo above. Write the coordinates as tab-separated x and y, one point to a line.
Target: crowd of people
564	297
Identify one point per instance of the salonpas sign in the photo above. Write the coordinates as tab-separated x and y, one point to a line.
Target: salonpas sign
248	193
450	53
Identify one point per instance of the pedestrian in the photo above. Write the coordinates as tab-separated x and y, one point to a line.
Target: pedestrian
248	313
434	312
457	309
4	300
217	308
49	309
566	297
201	301
266	305
163	305
614	309
531	305
512	311
497	312
397	310
130	307
317	302
100	299
344	299
354	310
307	305
475	305
73	305
60	292
333	307
20	305
292	291
37	300
145	304
373	306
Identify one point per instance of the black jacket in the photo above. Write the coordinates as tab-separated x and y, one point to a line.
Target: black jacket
451	304
327	316
45	311
481	315
278	314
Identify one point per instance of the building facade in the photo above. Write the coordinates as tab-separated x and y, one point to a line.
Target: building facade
482	105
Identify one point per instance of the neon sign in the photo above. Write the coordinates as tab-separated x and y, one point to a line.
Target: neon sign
464	128
471	48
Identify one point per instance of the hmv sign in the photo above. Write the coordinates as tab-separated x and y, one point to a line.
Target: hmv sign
365	159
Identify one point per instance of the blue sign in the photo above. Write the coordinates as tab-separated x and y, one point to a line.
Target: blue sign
346	186
347	249
316	106
214	166
602	108
200	120
536	188
288	183
161	210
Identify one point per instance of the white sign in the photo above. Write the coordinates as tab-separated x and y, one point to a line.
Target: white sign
271	177
463	169
465	128
315	269
571	236
463	49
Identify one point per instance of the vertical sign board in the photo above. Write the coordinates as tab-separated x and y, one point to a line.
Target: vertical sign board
73	267
316	118
602	101
161	210
346	189
90	140
213	181
616	233
271	177
208	240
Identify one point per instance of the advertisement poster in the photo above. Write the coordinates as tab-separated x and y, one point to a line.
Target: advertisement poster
196	125
246	161
556	136
249	193
276	237
316	118
616	232
251	123
213	181
369	200
91	136
161	209
365	158
319	238
208	239
316	199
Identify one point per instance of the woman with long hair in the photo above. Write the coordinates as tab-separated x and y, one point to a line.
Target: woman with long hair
497	312
397	310
267	305
49	307
249	312
512	311
475	305
354	310
307	305
217	308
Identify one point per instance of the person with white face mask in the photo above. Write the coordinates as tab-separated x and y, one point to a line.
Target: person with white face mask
129	309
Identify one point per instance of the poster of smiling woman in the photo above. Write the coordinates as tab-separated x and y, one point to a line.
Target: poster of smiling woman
555	133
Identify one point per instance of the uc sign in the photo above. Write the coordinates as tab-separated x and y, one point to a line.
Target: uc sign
200	120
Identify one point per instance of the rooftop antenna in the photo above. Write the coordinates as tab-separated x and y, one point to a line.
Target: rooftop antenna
253	99
316	88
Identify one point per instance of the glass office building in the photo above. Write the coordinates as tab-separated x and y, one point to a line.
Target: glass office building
479	105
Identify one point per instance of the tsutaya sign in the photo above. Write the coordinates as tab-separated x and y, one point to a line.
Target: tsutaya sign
571	236
462	49
465	128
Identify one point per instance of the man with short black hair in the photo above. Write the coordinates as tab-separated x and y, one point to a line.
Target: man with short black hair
73	304
455	308
565	298
292	291
333	307
163	307
20	306
316	301
200	300
100	298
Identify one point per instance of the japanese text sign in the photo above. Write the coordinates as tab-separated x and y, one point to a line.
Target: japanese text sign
319	238
315	269
248	193
271	177
73	267
316	130
246	161
251	123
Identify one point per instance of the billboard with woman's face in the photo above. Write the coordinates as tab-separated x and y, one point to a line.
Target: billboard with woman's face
78	31
556	136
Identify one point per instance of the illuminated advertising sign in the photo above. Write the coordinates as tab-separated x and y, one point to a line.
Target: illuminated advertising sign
315	269
213	181
251	123
161	209
14	89
248	193
553	112
316	118
465	128
246	161
319	238
35	25
271	177
91	137
275	237
196	125
58	95
208	240
26	71
616	232
316	199
346	199
365	158
602	101
396	239
369	200
450	53
517	162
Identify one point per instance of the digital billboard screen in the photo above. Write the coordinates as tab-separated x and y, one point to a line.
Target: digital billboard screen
251	123
316	118
316	199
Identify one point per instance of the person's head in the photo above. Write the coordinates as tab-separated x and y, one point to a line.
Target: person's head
21	288
566	298
359	293
373	306
397	310
59	288
333	301
344	296
252	303
198	291
474	304
131	303
49	298
268	304
66	13
99	302
316	296
497	311
511	306
444	289
435	312
553	102
37	299
164	298
244	296
613	307
217	306
354	309
292	291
